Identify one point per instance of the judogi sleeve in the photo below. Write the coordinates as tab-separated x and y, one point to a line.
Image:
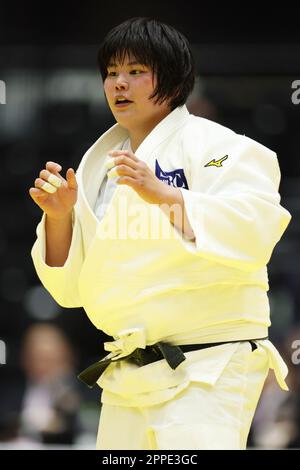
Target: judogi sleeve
234	208
61	282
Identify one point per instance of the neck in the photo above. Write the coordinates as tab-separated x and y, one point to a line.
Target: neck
136	138
138	134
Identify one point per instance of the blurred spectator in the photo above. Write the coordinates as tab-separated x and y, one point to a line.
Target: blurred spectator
50	402
276	423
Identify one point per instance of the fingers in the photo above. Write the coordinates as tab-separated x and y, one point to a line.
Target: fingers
53	182
112	174
54	167
119	160
48	182
110	163
56	180
45	186
51	178
120	165
71	178
37	194
126	153
121	170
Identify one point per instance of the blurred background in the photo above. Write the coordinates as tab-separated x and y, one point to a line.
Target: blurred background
52	107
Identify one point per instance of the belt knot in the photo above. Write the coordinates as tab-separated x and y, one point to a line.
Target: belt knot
126	342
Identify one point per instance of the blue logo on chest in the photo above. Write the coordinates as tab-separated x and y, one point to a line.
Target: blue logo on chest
174	178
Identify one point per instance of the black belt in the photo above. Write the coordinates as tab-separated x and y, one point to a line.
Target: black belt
173	354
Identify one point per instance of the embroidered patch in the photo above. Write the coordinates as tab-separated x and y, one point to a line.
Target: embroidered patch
175	178
217	162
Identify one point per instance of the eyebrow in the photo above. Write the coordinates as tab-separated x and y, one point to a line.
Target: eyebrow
129	63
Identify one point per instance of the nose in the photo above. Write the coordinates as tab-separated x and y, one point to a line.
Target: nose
121	82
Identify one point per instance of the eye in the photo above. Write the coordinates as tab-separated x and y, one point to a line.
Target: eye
138	71
110	74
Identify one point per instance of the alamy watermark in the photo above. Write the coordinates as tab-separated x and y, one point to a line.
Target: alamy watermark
296	354
2	352
296	94
2	92
141	221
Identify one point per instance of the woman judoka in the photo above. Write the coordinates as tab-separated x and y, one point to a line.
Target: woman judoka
163	236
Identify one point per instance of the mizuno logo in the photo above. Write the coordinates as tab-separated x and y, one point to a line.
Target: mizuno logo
217	162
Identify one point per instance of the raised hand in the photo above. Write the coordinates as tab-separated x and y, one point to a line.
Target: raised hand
54	194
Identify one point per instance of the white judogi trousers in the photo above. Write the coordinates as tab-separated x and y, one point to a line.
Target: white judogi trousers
201	416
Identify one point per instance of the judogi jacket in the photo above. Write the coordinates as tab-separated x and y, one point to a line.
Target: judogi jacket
141	281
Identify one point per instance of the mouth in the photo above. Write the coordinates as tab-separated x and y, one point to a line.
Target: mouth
123	103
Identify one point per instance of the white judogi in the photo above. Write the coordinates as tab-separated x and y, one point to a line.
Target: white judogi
213	411
141	282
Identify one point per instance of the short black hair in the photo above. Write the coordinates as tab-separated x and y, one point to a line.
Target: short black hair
159	46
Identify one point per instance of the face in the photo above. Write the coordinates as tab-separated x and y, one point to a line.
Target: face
135	82
46	355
